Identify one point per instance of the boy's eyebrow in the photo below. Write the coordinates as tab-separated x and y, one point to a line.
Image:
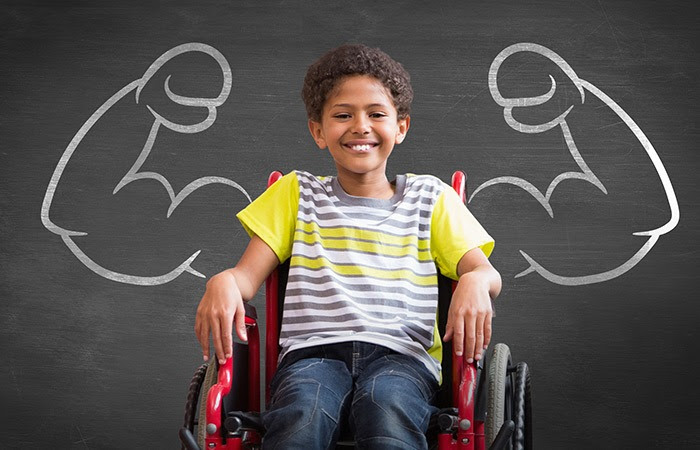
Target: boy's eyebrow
348	105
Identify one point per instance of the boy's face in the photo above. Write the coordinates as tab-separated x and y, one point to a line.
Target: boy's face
360	127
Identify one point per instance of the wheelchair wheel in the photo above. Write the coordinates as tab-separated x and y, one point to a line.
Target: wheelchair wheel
193	397
499	407
522	408
196	407
210	379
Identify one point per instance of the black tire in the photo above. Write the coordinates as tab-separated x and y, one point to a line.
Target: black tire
522	408
193	397
499	406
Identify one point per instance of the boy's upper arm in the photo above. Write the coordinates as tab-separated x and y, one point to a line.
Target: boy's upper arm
272	216
256	264
454	232
471	260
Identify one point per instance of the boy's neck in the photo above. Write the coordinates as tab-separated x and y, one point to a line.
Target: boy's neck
378	187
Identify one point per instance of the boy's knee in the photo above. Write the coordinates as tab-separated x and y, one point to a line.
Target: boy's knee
399	382
395	403
308	402
388	399
305	404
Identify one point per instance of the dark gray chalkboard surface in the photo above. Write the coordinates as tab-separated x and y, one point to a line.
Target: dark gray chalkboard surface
132	134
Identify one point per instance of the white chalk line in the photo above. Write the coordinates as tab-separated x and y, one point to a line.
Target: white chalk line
134	173
586	174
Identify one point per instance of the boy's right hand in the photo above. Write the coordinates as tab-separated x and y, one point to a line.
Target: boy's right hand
222	303
220	306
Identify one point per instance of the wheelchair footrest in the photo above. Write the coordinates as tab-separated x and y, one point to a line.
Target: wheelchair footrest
238	421
444	420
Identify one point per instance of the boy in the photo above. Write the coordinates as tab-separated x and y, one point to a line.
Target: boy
359	342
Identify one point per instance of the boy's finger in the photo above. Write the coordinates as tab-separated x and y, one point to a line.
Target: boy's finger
203	338
470	338
487	329
458	336
448	335
226	339
448	331
240	324
216	338
479	343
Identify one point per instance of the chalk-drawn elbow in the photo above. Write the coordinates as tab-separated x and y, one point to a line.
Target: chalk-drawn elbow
102	271
521	183
587	279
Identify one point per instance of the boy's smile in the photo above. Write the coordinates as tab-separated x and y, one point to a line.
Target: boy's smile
361	145
360	127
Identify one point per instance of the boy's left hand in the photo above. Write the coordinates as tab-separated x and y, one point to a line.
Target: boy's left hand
469	317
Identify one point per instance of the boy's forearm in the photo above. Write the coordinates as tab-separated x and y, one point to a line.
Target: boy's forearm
255	265
474	267
243	282
484	273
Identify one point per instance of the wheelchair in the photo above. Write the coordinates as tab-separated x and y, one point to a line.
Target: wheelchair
484	405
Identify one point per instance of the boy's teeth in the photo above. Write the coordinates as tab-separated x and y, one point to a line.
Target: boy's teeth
364	147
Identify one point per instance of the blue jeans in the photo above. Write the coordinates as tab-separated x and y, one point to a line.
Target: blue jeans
385	399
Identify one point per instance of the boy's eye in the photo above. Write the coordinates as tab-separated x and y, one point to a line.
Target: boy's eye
374	115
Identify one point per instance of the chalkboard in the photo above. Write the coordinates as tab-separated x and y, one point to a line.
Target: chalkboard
133	134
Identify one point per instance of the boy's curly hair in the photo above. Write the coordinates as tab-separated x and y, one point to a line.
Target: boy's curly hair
355	59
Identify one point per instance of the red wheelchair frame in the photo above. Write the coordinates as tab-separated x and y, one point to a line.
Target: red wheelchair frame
460	428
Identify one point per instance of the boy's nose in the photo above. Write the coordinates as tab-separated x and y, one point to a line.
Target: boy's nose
360	125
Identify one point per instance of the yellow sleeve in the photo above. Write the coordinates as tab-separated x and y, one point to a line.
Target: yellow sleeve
272	216
453	232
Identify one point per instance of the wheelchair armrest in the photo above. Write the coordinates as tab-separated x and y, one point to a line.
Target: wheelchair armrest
216	394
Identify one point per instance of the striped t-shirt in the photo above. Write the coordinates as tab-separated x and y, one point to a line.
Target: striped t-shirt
364	269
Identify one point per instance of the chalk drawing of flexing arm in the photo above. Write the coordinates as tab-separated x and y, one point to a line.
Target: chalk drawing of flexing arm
133	173
585	174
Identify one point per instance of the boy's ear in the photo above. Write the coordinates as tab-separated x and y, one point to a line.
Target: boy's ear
317	133
404	125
